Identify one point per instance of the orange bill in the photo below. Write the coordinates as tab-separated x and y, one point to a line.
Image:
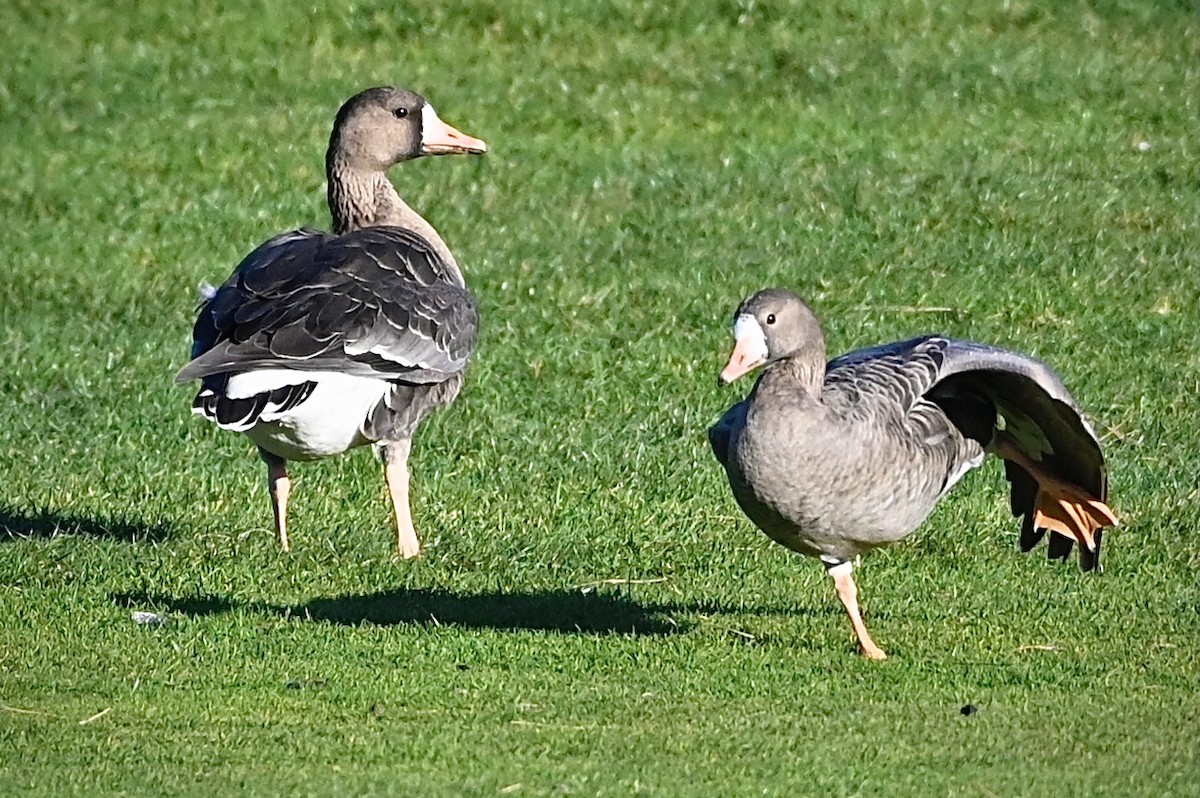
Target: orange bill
438	138
747	356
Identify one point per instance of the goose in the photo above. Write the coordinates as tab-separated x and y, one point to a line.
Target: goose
834	459
321	342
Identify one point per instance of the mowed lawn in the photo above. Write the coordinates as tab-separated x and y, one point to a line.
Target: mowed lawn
593	616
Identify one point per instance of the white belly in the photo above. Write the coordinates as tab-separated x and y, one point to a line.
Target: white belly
328	422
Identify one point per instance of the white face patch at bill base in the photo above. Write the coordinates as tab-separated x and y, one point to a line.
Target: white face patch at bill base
430	122
750	337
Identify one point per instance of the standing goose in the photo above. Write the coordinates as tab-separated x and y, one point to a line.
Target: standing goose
835	459
321	342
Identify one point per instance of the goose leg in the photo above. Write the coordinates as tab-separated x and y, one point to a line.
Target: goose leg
1059	505
847	591
395	472
280	486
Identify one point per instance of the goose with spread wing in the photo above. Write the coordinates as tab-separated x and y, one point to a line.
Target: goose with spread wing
321	342
833	459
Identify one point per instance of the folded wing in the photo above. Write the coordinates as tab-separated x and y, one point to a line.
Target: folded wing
375	302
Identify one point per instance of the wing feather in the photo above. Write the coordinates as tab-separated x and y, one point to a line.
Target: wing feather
377	302
1038	410
982	389
901	372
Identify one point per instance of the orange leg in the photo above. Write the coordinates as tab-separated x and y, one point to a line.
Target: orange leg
1059	505
847	591
280	486
395	472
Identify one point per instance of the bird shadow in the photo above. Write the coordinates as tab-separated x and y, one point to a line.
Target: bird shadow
564	611
44	523
191	606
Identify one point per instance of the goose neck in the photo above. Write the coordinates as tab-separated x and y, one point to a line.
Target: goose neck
804	370
359	198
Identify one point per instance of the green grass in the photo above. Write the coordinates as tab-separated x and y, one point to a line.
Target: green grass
973	168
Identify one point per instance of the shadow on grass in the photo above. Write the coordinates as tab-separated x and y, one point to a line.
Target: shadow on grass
20	524
192	606
564	611
570	611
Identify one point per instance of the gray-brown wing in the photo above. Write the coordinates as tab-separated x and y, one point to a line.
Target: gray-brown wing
1039	412
1043	421
898	374
720	434
979	388
886	387
374	302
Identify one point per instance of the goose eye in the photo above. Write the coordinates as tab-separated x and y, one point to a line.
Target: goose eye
770	318
400	113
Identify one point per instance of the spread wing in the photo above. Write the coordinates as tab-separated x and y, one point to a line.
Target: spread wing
1016	405
1038	411
374	302
1051	455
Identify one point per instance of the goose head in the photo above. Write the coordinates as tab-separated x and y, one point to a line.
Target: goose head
380	127
769	326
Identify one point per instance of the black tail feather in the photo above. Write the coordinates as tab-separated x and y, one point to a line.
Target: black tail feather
242	414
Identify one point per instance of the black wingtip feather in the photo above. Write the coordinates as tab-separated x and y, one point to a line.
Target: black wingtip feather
1089	559
1060	547
1031	535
